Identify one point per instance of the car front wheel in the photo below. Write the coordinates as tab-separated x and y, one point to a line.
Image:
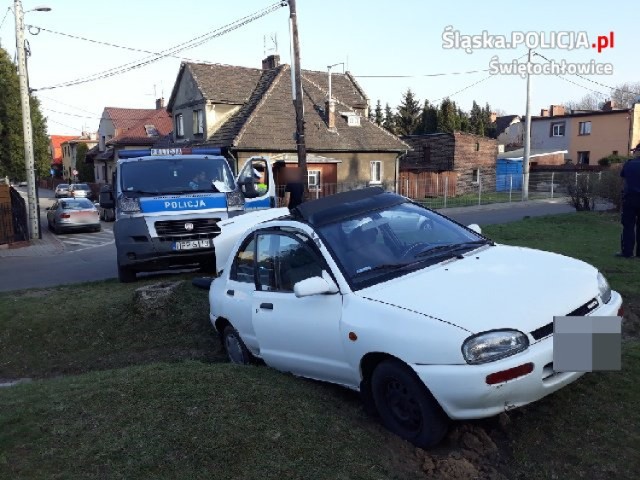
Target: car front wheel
235	347
405	405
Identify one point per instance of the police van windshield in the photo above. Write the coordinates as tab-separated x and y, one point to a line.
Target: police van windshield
177	175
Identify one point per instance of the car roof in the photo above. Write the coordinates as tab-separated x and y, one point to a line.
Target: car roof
341	206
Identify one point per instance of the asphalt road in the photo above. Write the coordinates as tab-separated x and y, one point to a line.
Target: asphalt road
94	258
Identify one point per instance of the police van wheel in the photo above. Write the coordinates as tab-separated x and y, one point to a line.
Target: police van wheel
208	266
126	275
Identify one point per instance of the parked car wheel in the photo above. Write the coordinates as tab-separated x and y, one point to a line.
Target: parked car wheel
237	351
57	229
126	274
405	405
97	228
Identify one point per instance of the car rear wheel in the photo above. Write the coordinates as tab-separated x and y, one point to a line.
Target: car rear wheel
237	351
405	405
57	229
126	274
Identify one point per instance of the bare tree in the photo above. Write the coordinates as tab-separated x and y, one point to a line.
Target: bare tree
624	95
589	102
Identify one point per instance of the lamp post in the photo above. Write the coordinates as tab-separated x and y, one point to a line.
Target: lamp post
34	220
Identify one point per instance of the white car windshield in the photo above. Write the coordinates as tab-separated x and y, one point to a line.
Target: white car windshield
381	244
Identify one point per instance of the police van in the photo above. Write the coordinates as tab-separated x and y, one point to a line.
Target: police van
169	204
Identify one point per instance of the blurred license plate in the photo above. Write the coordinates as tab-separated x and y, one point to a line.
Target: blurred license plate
192	244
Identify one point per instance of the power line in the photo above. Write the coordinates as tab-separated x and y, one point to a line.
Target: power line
5	16
423	75
64	125
108	44
194	42
463	89
66	104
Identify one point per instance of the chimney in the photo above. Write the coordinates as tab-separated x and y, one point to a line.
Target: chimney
159	103
271	62
557	110
608	106
544	112
330	109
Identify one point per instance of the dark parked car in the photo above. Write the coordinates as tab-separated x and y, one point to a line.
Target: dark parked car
73	214
62	190
81	190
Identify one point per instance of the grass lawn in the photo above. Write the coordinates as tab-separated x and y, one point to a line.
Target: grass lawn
121	393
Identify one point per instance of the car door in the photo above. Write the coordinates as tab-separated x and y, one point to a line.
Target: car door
298	335
51	211
238	293
257	183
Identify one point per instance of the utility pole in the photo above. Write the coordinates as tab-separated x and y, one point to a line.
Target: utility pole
34	218
527	135
297	91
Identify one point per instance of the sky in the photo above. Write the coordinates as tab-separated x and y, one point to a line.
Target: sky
376	40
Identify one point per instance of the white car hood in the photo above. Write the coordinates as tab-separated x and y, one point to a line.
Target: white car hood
493	288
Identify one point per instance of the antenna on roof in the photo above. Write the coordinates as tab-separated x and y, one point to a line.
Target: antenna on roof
270	45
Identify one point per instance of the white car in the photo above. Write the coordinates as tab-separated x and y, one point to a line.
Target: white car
428	319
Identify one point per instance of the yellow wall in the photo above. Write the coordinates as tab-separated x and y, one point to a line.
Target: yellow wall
609	133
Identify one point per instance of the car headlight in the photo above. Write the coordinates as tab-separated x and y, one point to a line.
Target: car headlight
491	346
603	288
129	205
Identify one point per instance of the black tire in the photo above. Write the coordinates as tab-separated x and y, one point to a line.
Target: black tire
237	351
97	228
56	229
126	274
405	405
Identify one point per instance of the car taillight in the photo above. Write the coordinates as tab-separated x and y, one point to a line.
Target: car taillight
65	215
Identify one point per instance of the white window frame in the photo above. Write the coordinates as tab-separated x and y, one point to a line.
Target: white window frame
179	126
314	178
475	176
560	125
198	122
585	128
376	172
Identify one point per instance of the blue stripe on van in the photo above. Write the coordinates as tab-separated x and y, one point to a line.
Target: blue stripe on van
153	205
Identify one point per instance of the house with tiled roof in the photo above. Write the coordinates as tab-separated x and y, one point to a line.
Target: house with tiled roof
70	154
55	151
126	128
249	112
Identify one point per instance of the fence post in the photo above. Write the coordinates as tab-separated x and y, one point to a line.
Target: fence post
406	186
446	190
479	188
510	186
552	175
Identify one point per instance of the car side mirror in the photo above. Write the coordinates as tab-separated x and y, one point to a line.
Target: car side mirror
475	227
315	286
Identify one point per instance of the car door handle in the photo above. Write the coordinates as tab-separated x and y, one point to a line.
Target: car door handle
231	293
267	306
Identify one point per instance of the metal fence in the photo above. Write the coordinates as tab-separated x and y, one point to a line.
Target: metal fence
437	192
13	219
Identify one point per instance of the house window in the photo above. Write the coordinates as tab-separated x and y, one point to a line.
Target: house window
314	179
376	172
583	158
475	175
179	126
615	152
198	122
477	146
585	128
557	129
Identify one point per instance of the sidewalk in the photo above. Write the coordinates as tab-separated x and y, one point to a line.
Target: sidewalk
502	206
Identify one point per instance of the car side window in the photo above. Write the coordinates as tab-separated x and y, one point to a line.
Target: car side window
244	263
295	262
266	263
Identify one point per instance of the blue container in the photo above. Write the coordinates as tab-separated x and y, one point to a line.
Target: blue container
508	175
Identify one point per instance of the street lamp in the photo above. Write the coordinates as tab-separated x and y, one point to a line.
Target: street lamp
34	219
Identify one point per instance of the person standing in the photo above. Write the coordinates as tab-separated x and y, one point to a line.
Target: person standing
294	189
631	206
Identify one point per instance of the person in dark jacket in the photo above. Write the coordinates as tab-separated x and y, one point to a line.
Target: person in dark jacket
631	206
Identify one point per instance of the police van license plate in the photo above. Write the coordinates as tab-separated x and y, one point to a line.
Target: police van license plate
192	244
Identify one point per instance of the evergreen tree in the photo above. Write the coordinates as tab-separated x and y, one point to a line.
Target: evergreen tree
389	122
378	116
85	170
12	162
429	121
446	117
463	120
489	125
476	122
408	117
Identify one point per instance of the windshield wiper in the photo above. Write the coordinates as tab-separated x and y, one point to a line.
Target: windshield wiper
141	192
453	247
384	267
